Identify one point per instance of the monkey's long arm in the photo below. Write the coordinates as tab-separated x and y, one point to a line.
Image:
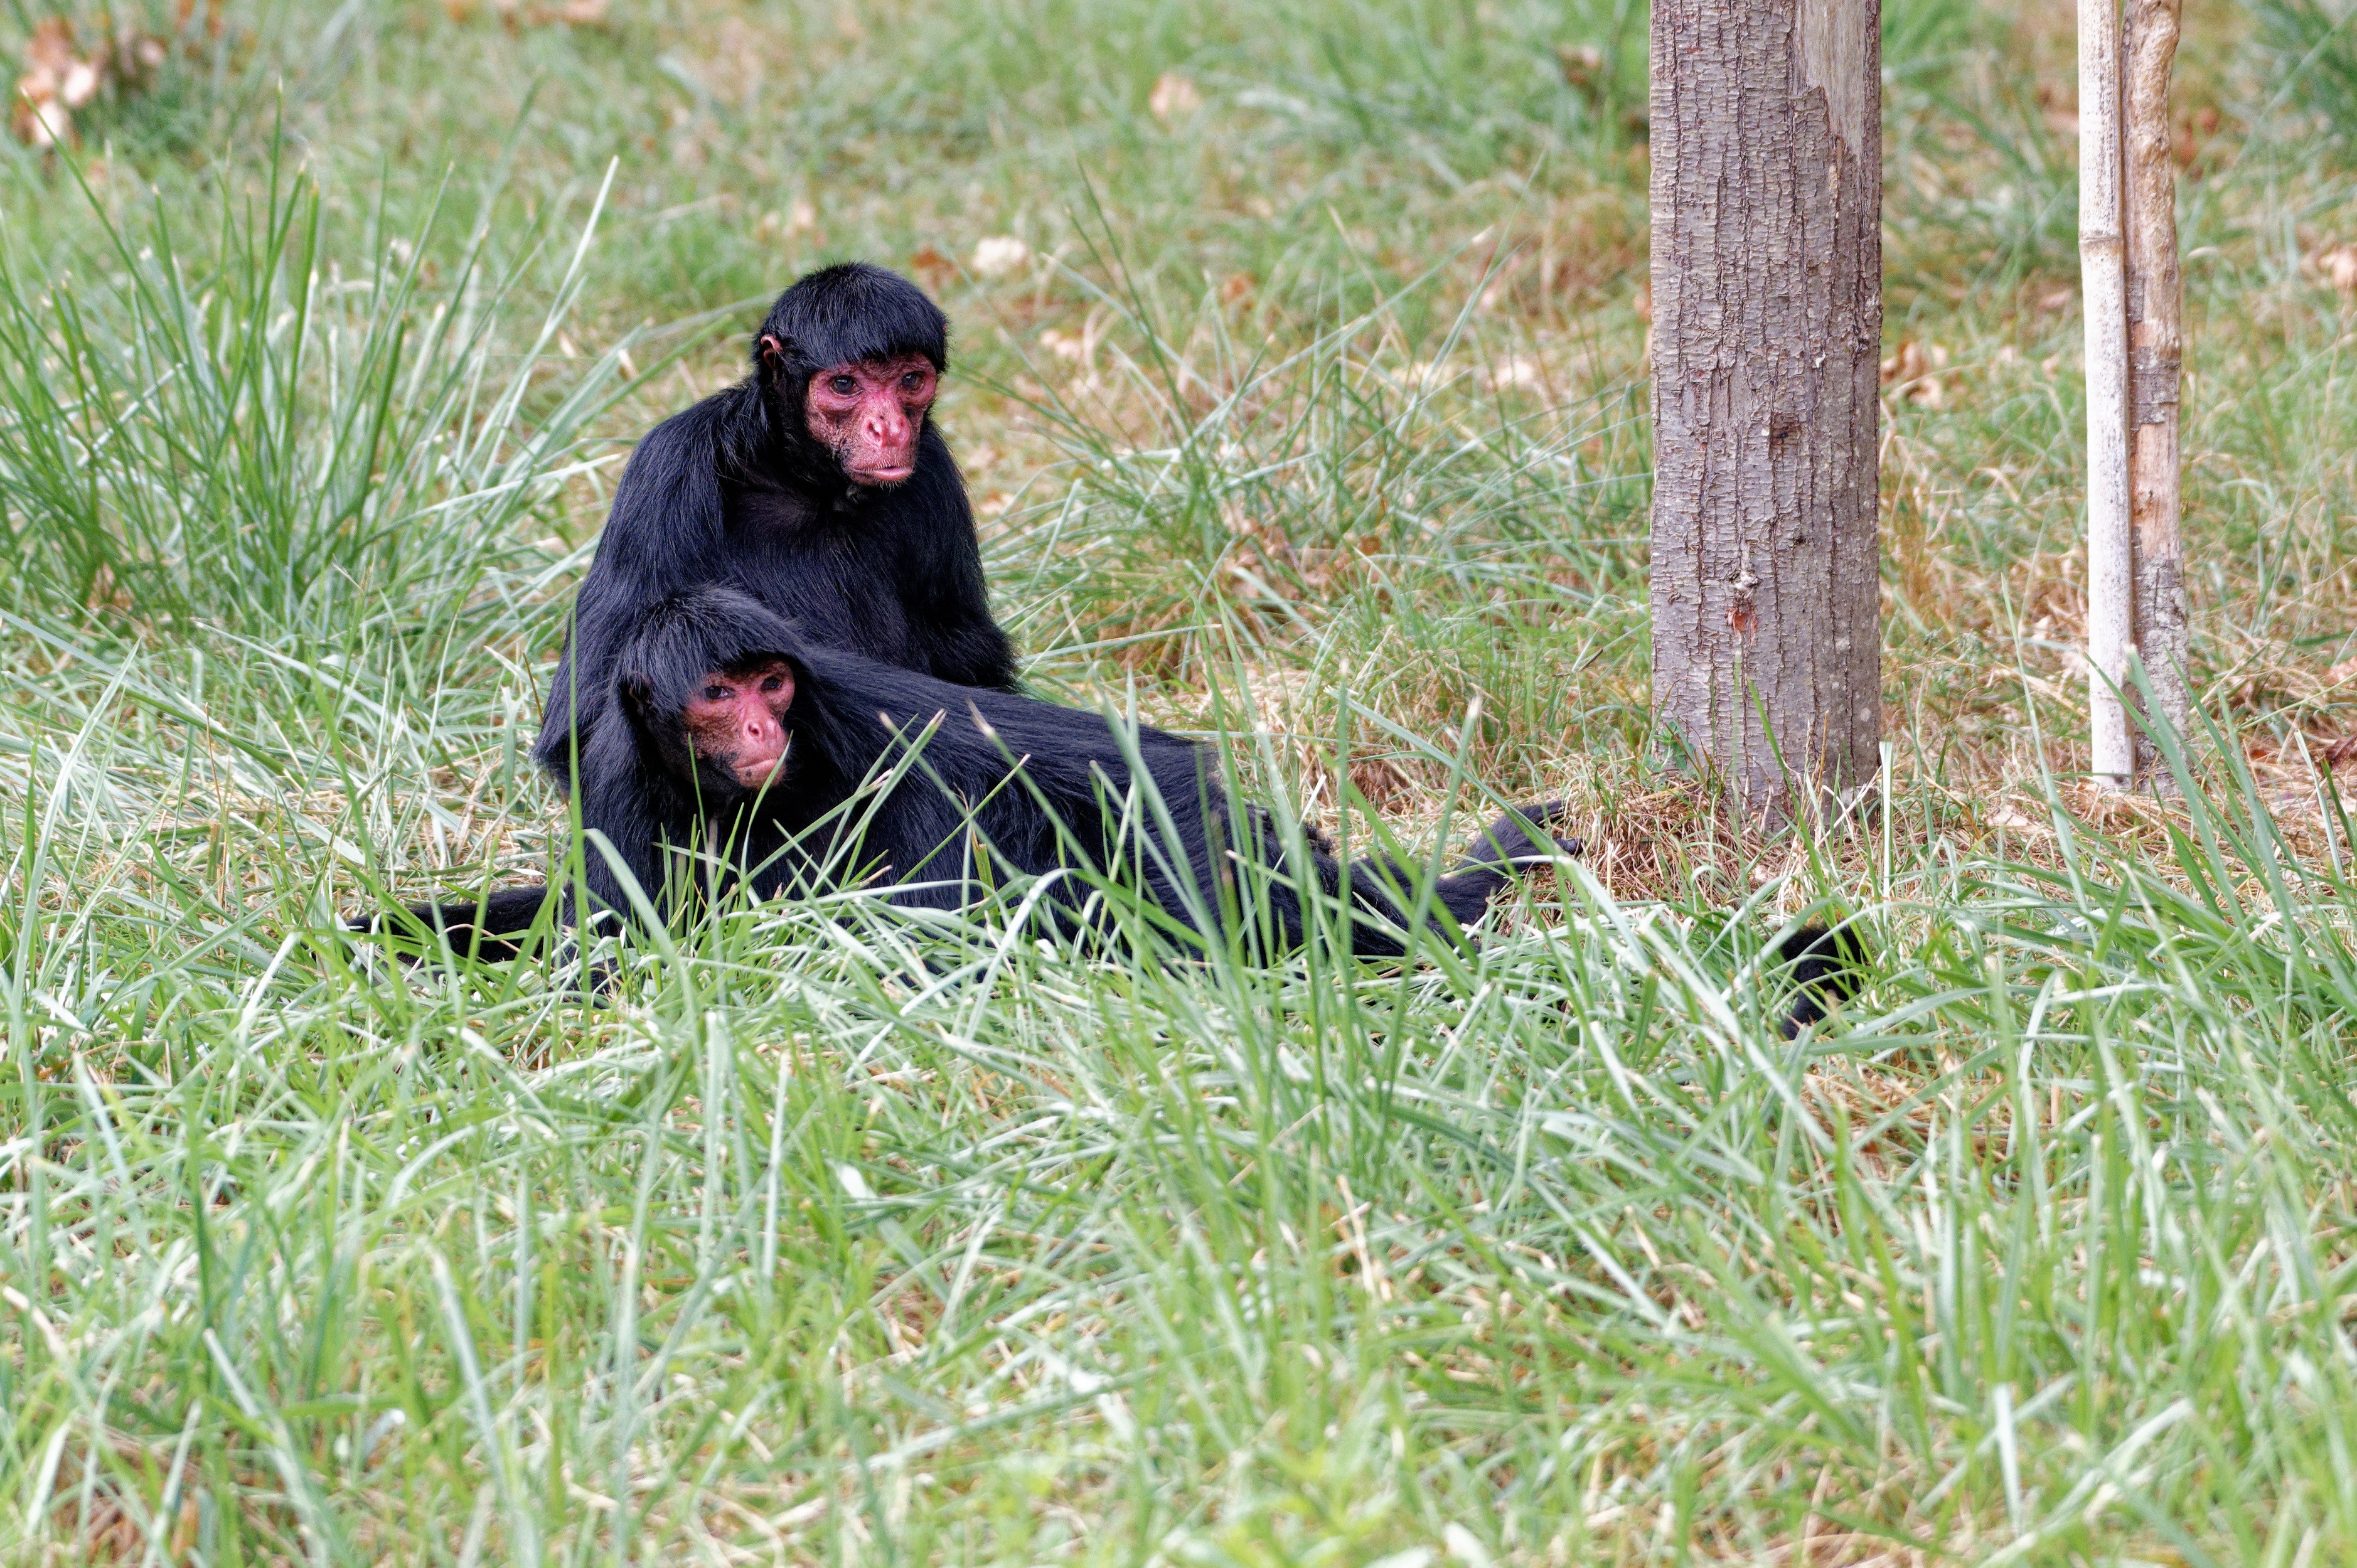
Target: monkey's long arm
662	534
616	797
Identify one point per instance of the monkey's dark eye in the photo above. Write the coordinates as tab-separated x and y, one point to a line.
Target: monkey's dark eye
843	386
913	381
716	694
773	682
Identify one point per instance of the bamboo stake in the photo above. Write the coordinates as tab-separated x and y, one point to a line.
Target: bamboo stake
2155	353
2104	282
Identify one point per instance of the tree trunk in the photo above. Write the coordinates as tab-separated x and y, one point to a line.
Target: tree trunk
2155	353
1767	202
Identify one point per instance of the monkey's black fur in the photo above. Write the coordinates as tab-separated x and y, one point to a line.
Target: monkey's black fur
734	490
1041	787
1828	968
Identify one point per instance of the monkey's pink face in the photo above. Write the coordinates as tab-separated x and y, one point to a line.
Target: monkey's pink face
738	722
869	415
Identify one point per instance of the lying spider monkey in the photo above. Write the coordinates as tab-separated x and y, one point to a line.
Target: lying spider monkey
734	751
739	750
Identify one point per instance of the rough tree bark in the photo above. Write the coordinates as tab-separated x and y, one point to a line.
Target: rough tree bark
1767	288
2156	354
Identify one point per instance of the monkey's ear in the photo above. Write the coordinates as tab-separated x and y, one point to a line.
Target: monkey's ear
639	692
772	349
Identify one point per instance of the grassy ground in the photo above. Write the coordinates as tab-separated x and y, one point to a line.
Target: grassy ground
1311	407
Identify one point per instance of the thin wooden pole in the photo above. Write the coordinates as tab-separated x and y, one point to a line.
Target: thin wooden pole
2103	281
2155	353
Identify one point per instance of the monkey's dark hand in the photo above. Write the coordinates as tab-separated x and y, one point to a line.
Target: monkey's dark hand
1510	839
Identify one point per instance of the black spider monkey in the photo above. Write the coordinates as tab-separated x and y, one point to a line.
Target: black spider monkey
819	486
730	741
732	747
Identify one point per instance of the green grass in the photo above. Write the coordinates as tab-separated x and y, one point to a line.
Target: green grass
1318	419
